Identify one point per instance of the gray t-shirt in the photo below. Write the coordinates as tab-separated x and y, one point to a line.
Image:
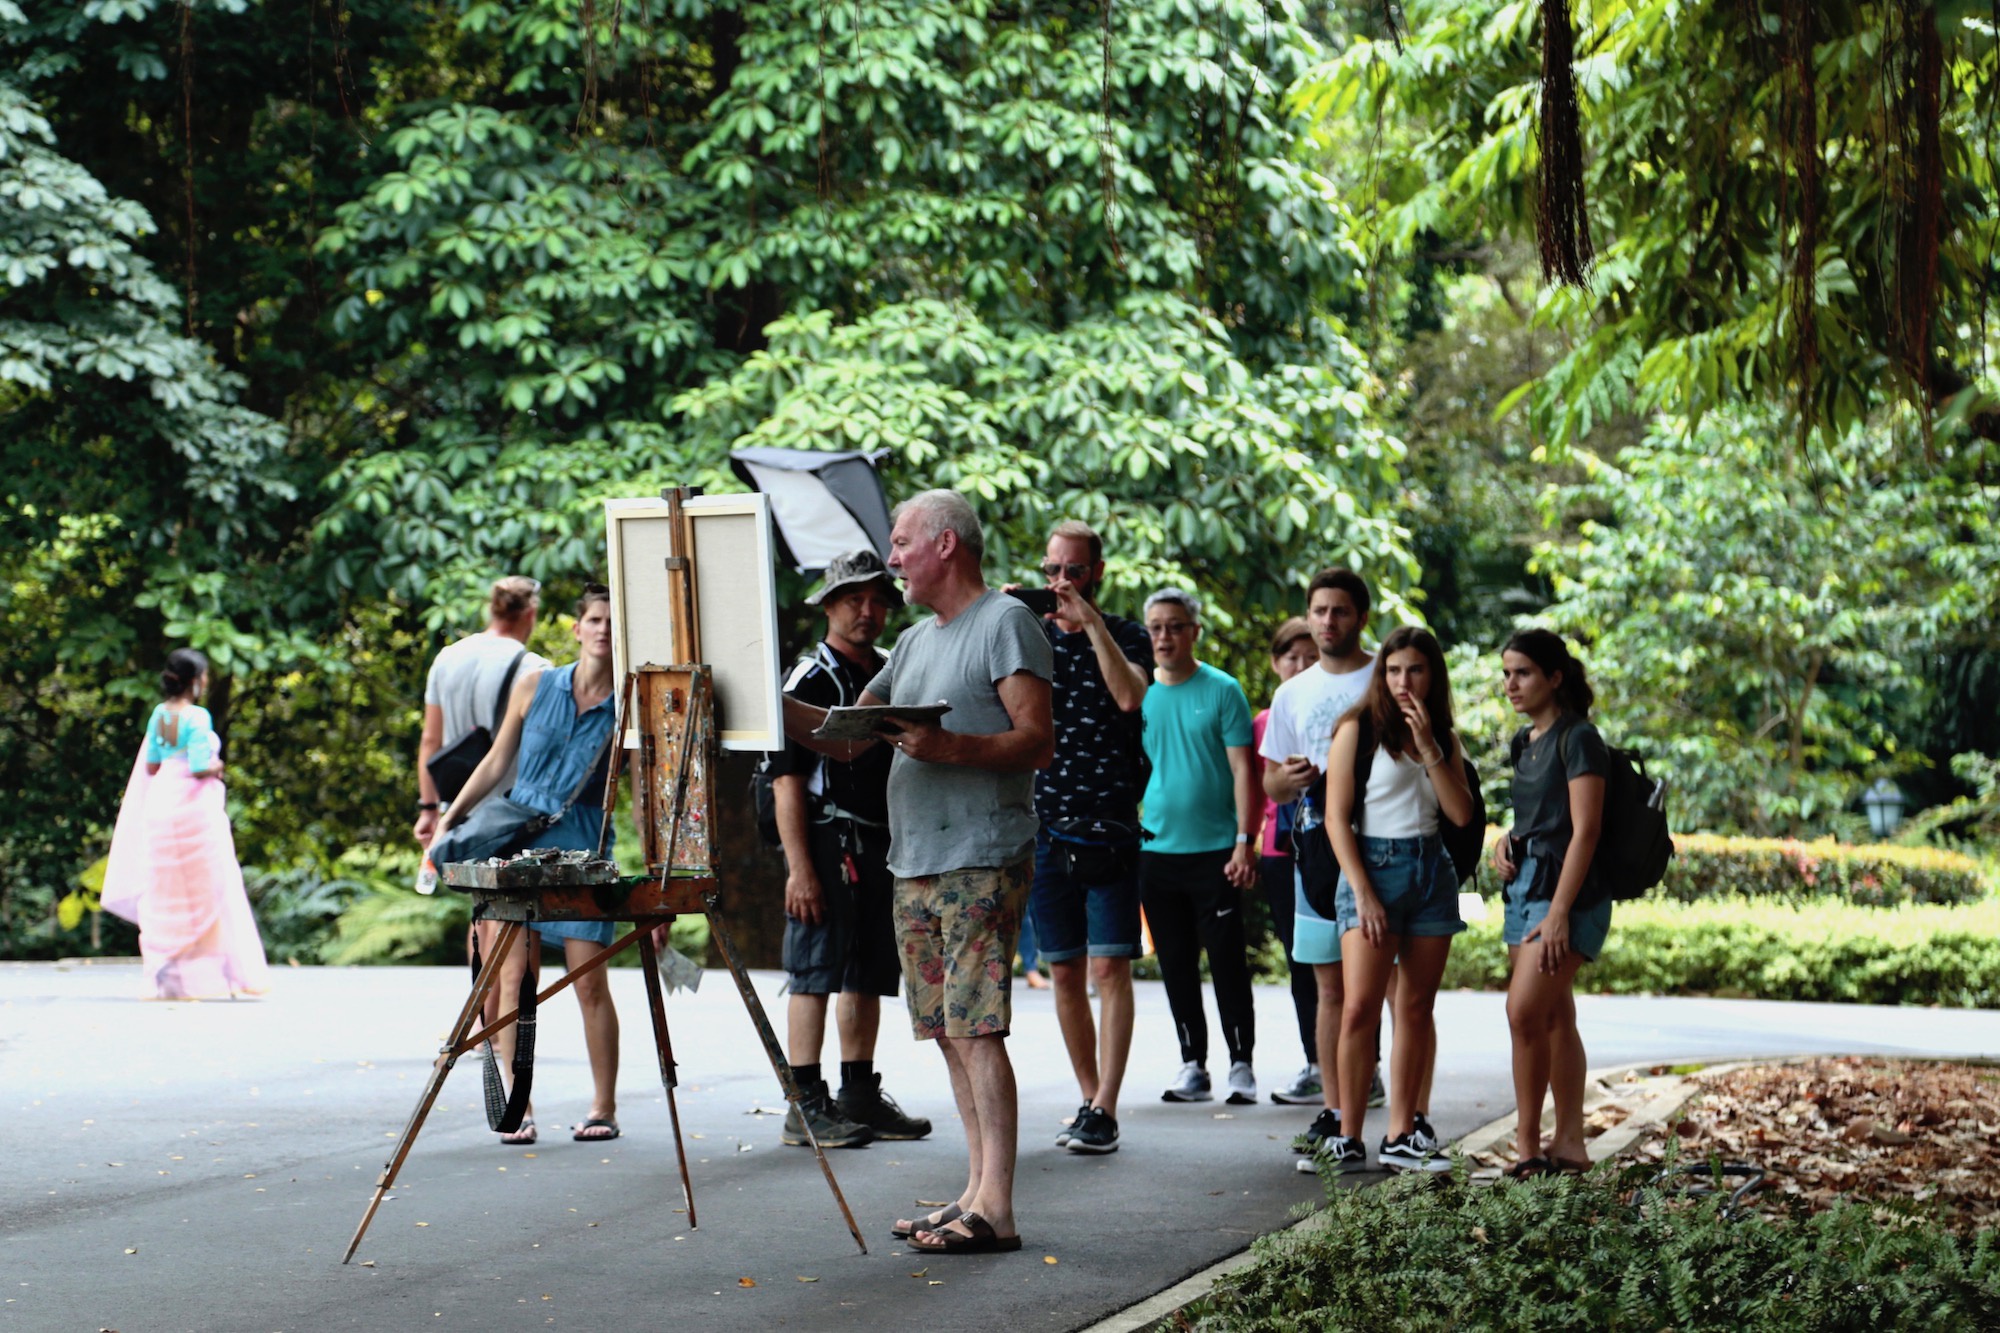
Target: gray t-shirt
465	683
946	816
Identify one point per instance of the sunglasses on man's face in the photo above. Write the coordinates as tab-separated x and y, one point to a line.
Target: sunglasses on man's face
1056	569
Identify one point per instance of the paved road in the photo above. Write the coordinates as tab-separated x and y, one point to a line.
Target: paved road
201	1166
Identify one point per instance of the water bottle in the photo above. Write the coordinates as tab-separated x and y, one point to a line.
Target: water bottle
427	877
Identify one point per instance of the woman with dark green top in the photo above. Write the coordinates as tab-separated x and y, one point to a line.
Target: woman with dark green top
1556	917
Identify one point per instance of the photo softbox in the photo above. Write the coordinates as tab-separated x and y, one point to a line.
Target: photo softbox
824	504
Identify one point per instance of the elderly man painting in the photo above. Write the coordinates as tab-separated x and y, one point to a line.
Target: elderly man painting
961	836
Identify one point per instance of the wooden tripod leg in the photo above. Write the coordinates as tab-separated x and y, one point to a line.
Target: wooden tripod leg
649	962
454	1045
720	935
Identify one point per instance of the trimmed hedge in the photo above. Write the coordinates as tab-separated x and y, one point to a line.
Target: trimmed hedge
1875	875
1435	1253
1770	950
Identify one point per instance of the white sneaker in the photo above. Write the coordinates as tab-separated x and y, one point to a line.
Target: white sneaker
1190	1085
1305	1089
1242	1085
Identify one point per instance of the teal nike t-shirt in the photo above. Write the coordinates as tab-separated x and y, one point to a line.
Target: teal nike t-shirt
1191	798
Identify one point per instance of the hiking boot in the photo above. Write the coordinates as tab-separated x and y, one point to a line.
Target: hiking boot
1069	1126
1190	1085
1305	1089
1377	1094
866	1104
1405	1153
815	1107
1095	1131
1325	1125
1338	1153
1242	1084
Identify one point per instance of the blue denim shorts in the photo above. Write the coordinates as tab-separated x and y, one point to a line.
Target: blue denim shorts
1413	878
1589	927
1074	917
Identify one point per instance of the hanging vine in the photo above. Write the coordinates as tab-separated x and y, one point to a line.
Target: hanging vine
1562	220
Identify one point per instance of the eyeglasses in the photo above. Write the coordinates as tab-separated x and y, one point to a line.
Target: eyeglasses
1056	569
1170	627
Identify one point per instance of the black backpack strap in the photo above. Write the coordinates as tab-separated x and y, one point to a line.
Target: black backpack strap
506	1109
1364	764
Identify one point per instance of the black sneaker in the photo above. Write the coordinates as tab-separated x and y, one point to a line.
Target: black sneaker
866	1104
1339	1154
1425	1137
1325	1125
1095	1131
1406	1152
815	1107
1069	1128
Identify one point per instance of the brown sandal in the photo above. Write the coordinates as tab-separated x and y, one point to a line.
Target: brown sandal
1530	1167
1571	1166
979	1237
903	1230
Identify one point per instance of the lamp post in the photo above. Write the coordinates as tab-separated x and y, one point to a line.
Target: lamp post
1884	802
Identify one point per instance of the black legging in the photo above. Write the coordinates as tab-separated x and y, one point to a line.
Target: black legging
1280	893
1191	906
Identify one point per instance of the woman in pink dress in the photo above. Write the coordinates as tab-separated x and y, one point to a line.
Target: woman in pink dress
173	870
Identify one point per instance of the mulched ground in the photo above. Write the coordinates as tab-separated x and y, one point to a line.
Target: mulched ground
1919	1133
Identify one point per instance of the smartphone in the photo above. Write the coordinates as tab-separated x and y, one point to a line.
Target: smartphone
1295	759
1042	601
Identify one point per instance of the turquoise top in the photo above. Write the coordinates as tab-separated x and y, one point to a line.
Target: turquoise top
1190	728
194	738
558	744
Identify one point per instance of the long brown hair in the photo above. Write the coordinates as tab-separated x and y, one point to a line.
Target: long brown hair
1392	732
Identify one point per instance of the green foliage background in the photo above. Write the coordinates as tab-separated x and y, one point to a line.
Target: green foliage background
315	319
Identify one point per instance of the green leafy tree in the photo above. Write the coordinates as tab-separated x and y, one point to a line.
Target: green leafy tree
1751	626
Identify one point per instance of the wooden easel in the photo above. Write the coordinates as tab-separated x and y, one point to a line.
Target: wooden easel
673	782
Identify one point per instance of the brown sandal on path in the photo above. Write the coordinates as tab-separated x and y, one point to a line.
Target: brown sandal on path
1571	1166
1530	1167
979	1237
904	1229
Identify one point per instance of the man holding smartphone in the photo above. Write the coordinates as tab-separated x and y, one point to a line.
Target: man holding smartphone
1085	901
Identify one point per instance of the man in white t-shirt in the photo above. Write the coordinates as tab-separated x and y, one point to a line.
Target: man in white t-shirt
1296	738
464	686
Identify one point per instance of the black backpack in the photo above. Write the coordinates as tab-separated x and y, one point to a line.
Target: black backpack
1465	843
1634	843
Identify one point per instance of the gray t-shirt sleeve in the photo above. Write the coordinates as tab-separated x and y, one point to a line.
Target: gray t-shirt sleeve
1019	644
1584	752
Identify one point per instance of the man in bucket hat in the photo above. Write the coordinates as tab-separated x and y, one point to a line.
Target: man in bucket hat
833	821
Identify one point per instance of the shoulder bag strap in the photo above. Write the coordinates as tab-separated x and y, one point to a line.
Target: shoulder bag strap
506	691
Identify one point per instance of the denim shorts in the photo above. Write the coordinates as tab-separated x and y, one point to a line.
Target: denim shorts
1074	916
1589	927
1413	878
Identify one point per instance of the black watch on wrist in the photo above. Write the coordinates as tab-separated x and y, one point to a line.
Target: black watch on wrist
427	805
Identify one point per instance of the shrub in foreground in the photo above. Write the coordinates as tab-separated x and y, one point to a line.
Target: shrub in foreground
1419	1254
1769	950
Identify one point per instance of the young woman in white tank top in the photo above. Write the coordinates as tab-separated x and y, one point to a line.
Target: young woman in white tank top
1397	898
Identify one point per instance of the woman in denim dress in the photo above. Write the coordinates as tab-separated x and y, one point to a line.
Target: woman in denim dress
558	721
1557	918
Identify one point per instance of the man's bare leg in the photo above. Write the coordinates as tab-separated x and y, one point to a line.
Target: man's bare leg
990	1108
860	1019
1070	980
1114	1029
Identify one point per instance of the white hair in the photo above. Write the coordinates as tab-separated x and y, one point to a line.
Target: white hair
942	511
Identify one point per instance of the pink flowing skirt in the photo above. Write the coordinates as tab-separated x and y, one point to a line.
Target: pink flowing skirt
173	873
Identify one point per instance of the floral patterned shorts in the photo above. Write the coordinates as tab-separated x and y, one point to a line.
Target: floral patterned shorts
956	933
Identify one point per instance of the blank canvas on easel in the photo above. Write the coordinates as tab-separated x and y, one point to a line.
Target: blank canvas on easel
736	606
